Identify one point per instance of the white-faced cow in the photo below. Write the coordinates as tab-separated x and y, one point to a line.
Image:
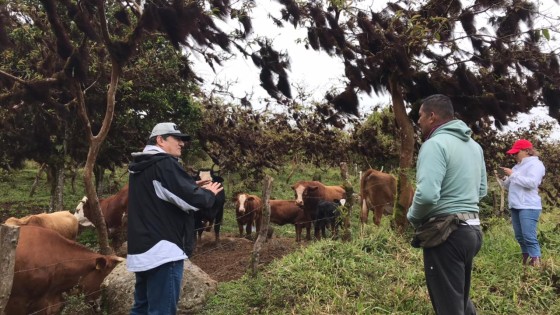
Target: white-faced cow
62	222
377	192
114	209
309	193
248	211
48	265
287	211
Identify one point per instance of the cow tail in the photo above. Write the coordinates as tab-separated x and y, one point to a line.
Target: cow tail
363	201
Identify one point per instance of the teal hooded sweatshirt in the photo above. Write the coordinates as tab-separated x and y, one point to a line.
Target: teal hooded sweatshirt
450	174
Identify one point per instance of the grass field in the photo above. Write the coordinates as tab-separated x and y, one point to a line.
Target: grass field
375	273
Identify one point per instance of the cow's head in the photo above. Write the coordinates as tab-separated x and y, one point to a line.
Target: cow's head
79	214
240	203
301	191
90	283
205	175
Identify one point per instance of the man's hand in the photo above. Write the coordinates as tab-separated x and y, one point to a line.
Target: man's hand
213	187
203	182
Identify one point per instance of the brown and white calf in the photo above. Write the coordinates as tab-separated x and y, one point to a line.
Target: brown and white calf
309	193
248	211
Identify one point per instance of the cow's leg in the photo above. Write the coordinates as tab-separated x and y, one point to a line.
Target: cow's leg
323	229
49	305
258	221
317	228
334	227
17	306
298	232
378	214
218	224
240	226
364	212
249	228
308	229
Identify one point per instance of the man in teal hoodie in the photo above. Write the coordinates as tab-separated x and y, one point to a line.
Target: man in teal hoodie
450	180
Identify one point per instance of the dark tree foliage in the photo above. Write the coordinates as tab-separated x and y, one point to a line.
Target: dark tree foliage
249	142
420	44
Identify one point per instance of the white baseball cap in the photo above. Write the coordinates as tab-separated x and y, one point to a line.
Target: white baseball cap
169	128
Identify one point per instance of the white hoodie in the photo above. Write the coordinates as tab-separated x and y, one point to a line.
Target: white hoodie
523	184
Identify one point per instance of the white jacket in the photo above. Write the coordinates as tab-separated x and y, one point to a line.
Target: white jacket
523	184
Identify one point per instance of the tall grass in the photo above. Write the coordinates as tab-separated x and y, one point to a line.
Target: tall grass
375	273
380	273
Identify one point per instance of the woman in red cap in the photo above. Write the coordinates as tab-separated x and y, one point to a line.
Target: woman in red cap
522	183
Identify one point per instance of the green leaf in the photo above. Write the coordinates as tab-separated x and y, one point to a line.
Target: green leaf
545	33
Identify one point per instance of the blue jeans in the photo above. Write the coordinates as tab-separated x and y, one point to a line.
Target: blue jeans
157	290
525	228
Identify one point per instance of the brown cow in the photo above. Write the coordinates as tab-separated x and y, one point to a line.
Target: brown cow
62	222
377	192
248	211
309	193
114	209
47	265
287	211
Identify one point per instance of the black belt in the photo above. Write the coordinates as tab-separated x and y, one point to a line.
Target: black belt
466	215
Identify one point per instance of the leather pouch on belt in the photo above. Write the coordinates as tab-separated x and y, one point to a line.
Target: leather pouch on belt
435	231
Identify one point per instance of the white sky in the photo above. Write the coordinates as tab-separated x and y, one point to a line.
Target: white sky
315	71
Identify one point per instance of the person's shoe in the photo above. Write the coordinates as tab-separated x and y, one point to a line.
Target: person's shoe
525	258
535	262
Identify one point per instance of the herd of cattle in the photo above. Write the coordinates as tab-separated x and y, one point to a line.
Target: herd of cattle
50	262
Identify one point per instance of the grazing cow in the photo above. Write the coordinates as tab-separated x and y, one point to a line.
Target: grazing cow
114	209
309	193
287	211
377	192
47	265
213	216
328	214
62	222
248	211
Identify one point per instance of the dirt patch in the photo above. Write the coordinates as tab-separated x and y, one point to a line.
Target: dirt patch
229	260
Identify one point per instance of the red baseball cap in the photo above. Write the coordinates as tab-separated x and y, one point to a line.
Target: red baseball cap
519	145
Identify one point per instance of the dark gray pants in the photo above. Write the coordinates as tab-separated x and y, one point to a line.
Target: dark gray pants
448	271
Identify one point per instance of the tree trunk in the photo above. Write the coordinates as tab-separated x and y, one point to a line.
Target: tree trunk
74	173
51	180
9	236
99	174
58	204
347	234
95	143
36	181
404	186
263	233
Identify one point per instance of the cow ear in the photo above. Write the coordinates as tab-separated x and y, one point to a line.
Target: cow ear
100	263
312	188
251	198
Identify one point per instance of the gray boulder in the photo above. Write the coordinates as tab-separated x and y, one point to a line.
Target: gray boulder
118	290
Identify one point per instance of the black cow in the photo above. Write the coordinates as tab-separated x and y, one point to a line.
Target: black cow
328	214
205	218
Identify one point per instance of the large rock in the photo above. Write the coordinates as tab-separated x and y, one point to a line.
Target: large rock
118	290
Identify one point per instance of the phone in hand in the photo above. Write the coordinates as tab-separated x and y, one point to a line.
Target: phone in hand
501	172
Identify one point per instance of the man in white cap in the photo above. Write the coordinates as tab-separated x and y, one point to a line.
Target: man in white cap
162	200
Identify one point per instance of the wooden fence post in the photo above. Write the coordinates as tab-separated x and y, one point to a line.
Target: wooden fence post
9	236
263	233
347	234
